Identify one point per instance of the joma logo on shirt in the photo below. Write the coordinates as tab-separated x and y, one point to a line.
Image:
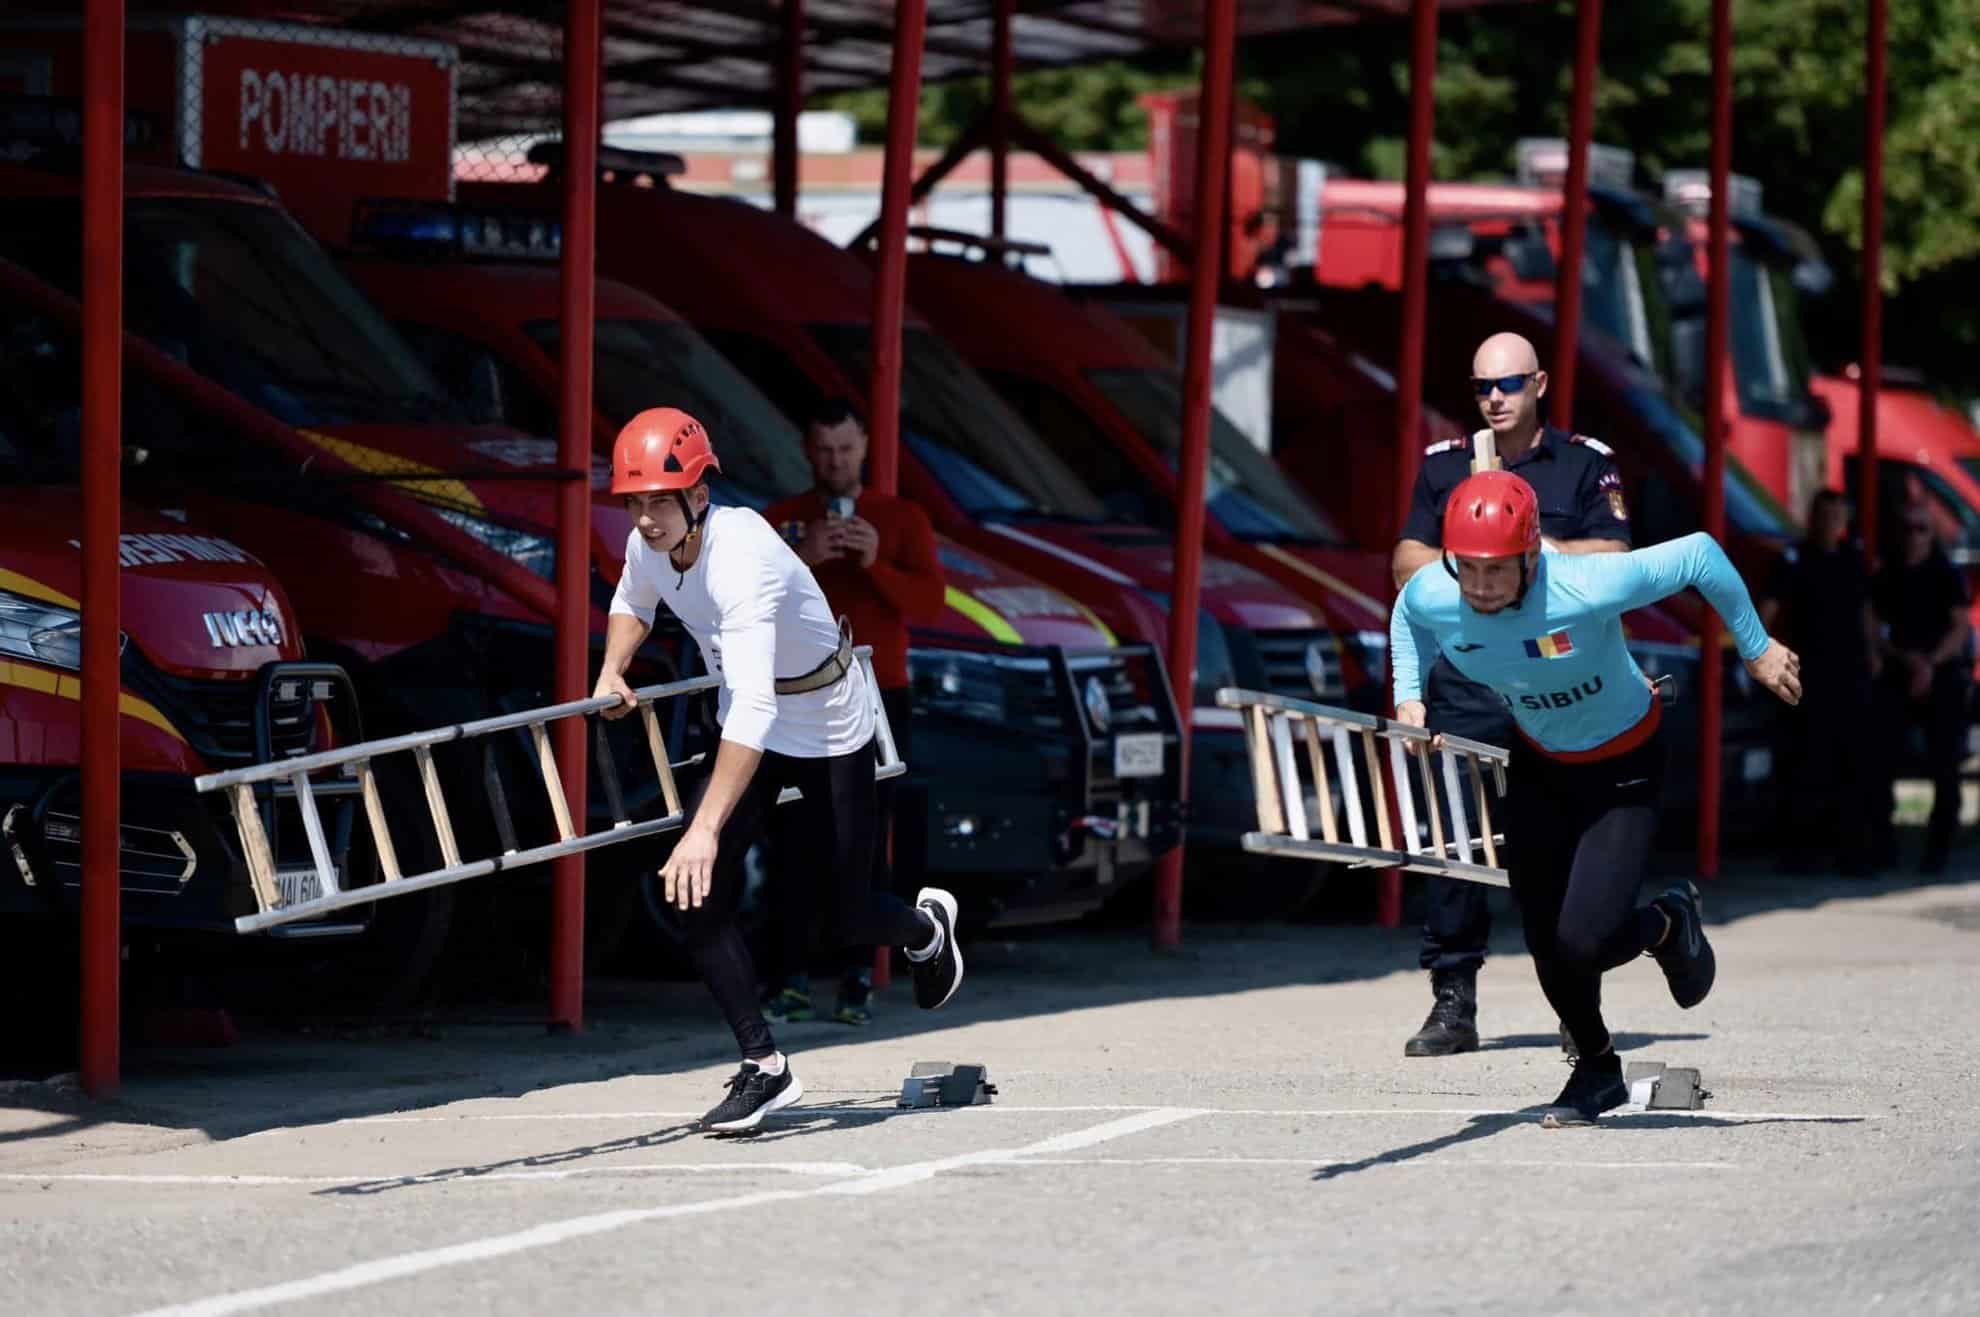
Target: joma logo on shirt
1566	699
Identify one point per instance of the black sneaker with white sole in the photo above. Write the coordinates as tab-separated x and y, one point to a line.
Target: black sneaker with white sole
1595	1086
1685	955
940	973
752	1096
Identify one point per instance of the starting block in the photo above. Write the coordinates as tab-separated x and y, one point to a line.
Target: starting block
939	1084
1653	1086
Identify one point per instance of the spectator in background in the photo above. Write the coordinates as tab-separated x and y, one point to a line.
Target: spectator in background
1820	606
874	557
1920	598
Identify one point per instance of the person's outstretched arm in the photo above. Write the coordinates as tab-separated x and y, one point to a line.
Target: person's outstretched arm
1621	582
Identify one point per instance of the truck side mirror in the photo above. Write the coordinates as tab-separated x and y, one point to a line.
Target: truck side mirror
1810	412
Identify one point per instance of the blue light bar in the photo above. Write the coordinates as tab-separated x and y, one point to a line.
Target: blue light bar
436	230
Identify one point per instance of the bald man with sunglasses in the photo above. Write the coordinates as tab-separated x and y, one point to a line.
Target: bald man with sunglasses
1581	511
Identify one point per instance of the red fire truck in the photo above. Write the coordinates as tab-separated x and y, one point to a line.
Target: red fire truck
418	547
1111	406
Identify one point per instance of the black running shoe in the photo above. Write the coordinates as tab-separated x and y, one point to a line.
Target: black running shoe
752	1096
1595	1086
1685	955
937	978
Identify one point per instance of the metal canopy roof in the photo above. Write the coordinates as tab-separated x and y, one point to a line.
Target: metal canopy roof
666	55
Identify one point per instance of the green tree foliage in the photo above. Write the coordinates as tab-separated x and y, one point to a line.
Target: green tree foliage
1341	94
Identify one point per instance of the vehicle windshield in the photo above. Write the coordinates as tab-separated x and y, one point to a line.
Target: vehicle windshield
1243	489
1770	358
40	434
984	455
1749	507
241	294
662	363
1614	294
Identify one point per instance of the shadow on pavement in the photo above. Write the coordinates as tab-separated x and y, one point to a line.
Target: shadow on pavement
1481	1127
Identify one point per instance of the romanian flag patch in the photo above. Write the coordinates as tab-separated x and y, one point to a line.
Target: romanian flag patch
1557	645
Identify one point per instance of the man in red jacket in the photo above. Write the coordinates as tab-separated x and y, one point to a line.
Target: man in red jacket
874	556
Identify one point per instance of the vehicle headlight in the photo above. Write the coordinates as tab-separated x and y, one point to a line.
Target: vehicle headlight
1099	709
1371	648
1214	665
528	550
958	684
40	633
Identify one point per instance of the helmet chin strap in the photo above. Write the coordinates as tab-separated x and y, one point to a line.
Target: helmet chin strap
693	530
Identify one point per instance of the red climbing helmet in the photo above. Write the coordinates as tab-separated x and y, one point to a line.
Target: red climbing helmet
662	448
1493	514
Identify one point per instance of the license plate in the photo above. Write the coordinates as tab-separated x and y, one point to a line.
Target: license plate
1757	765
1138	755
295	886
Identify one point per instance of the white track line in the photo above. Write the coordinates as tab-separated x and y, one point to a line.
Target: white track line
895	1177
558	1232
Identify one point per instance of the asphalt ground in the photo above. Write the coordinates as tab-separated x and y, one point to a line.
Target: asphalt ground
1215	1131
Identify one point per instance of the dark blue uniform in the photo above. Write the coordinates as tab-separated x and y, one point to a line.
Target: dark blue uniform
1581	498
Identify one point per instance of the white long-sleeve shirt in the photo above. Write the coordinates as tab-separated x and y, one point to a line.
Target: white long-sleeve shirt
757	615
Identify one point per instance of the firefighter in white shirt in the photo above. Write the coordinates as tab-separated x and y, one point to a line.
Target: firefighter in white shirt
795	710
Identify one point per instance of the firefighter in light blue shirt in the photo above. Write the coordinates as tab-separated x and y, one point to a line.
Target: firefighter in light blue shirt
1544	631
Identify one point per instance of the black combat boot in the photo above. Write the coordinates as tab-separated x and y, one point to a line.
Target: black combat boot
1452	1025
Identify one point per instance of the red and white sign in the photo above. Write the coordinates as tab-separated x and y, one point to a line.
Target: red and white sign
296	103
325	115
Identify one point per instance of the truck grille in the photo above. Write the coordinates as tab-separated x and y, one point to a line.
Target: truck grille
217	717
1294	659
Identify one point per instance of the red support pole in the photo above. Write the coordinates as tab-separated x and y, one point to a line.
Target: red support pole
1574	210
1872	356
784	157
1001	67
1415	310
1226	238
583	51
1212	156
1416	246
1717	372
883	413
102	479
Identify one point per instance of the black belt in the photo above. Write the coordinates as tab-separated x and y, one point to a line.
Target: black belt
825	674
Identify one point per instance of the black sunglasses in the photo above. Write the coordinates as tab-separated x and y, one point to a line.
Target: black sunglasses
1506	384
1918	528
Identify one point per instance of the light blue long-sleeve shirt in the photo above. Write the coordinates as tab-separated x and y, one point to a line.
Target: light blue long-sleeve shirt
1559	659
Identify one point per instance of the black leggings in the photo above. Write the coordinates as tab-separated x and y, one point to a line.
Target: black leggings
837	819
795	884
1578	839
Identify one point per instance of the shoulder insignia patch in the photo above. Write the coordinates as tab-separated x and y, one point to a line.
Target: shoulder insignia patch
1446	446
1595	444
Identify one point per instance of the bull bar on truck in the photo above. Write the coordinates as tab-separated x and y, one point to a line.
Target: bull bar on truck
162	857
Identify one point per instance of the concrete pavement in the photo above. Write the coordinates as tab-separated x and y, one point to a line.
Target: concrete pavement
1211	1132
